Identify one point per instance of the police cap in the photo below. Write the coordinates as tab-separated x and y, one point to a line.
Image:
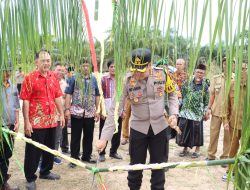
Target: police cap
141	57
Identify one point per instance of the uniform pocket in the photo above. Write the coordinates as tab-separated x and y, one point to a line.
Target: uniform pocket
159	89
217	87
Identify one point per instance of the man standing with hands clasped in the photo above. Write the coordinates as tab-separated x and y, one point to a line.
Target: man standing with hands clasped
41	95
144	86
81	103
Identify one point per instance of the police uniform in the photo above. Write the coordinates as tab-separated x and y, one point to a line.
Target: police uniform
218	113
147	122
125	122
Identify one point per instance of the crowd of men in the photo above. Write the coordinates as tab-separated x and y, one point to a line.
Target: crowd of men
158	103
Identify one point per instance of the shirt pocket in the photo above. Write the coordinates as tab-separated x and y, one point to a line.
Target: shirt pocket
217	87
159	89
136	95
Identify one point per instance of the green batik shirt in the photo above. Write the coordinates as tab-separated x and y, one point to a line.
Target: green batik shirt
195	99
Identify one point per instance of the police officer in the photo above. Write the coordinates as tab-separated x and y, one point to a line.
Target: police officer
144	86
216	107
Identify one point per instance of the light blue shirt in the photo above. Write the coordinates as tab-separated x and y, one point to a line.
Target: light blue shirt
10	103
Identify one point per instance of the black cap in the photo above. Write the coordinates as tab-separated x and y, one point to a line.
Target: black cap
201	66
141	57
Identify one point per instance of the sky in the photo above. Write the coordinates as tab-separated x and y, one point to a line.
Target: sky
104	22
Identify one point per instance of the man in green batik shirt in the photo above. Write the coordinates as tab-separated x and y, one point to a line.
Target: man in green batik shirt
195	101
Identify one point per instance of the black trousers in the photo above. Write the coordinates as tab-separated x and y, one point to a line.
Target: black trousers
116	139
19	87
139	144
33	154
6	147
64	144
85	125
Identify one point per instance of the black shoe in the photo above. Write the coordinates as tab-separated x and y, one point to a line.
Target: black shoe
71	165
66	151
209	159
91	160
101	158
116	156
224	165
50	176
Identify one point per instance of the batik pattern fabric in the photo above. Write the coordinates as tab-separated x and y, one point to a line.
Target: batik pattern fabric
195	100
41	92
84	92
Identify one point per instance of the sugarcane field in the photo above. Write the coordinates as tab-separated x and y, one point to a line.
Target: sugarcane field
125	94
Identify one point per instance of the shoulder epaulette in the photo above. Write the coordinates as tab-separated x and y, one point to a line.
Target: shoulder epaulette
218	75
157	68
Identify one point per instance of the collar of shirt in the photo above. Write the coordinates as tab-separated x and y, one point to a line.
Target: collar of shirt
109	76
201	83
38	74
80	76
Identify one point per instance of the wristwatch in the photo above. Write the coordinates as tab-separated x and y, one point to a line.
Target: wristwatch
67	109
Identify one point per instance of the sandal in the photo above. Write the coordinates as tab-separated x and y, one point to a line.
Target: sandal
195	155
183	153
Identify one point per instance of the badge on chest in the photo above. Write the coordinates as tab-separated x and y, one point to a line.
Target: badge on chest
135	91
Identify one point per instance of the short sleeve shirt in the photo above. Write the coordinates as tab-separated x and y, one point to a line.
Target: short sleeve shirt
84	92
10	102
41	93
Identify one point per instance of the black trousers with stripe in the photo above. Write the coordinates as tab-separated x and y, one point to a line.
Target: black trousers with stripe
139	144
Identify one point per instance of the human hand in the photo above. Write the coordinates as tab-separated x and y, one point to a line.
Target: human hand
102	117
97	117
28	129
16	128
62	121
123	116
207	115
67	114
172	121
100	145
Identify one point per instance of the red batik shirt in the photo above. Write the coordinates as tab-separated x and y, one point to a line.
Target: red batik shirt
41	92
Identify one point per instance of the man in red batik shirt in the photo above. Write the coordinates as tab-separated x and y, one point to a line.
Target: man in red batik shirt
41	95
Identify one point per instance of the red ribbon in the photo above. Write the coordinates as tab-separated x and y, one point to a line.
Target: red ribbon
91	41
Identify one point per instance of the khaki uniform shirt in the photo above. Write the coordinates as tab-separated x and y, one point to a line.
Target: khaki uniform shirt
235	116
217	89
147	104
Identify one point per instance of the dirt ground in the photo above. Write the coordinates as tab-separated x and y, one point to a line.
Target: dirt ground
207	178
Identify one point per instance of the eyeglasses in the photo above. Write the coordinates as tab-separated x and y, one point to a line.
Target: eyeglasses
200	72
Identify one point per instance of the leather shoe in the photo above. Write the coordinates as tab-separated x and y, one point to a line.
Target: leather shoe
91	160
72	165
50	176
116	156
101	158
65	151
30	185
209	159
124	141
